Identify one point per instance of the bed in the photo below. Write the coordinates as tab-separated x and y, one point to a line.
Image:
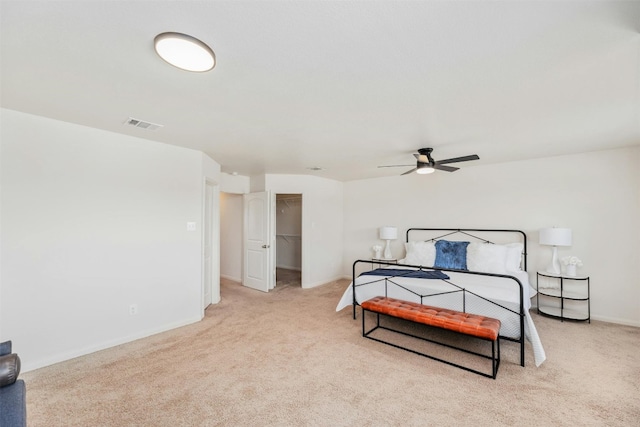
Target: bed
479	271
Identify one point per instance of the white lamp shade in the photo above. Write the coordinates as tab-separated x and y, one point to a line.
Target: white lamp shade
388	233
555	236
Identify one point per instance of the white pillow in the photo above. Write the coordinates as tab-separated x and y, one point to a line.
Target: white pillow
492	258
487	258
514	256
420	253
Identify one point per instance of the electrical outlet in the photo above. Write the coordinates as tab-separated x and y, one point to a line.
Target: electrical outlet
133	309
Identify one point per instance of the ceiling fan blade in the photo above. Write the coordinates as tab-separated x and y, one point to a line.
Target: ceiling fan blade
458	159
445	168
421	158
409	171
395	166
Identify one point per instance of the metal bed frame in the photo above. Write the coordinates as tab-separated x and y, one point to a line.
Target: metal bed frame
457	288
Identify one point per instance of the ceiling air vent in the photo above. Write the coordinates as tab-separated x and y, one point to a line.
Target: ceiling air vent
142	124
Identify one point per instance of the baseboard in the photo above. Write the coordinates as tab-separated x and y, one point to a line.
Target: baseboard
616	320
31	366
323	282
289	268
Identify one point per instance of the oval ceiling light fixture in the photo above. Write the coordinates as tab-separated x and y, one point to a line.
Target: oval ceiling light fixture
184	52
424	168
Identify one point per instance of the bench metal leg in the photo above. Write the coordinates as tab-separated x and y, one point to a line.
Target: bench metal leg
495	361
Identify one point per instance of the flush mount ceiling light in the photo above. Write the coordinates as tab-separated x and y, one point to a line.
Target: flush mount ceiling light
185	52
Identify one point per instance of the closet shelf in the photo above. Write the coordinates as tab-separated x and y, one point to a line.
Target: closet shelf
289	200
289	236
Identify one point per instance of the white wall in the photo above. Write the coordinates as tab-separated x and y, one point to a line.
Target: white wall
257	183
322	224
231	217
596	194
210	169
92	222
236	184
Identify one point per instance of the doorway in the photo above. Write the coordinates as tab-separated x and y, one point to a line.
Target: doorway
288	240
231	214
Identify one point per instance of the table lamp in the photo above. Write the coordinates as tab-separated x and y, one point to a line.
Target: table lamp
555	237
388	234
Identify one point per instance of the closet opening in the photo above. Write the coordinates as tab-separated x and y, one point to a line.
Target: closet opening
231	217
288	240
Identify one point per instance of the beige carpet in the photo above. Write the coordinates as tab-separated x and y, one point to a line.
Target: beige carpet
286	358
286	277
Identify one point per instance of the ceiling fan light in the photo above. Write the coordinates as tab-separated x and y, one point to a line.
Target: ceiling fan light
184	52
423	170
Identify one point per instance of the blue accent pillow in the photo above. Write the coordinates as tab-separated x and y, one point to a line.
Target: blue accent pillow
5	348
451	255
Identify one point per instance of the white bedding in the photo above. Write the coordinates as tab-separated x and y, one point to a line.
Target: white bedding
504	291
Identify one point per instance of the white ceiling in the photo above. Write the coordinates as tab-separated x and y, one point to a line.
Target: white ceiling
343	85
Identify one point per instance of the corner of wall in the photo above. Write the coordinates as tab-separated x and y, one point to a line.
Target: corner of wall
210	168
258	183
236	184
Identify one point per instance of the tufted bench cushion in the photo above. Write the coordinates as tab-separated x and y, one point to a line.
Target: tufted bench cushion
464	323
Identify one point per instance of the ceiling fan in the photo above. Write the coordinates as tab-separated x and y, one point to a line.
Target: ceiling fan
425	163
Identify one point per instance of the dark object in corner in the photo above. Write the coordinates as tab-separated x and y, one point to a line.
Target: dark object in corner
13	392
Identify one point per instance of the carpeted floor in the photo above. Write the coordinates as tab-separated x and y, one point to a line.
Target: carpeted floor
286	278
286	358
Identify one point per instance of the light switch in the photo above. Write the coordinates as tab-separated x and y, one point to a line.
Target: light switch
191	226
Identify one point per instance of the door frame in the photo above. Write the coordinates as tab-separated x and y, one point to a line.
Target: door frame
214	259
275	220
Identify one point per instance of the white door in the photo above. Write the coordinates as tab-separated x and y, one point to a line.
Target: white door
258	260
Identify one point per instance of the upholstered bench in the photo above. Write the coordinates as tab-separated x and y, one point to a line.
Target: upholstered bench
473	325
13	393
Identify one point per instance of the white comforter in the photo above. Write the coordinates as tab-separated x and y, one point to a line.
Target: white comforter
504	291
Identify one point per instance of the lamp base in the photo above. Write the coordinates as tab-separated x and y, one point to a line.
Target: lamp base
387	250
551	270
554	267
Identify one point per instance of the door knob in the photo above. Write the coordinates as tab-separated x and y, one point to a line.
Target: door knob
265	246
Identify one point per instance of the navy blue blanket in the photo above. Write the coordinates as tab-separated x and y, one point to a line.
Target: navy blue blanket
397	272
